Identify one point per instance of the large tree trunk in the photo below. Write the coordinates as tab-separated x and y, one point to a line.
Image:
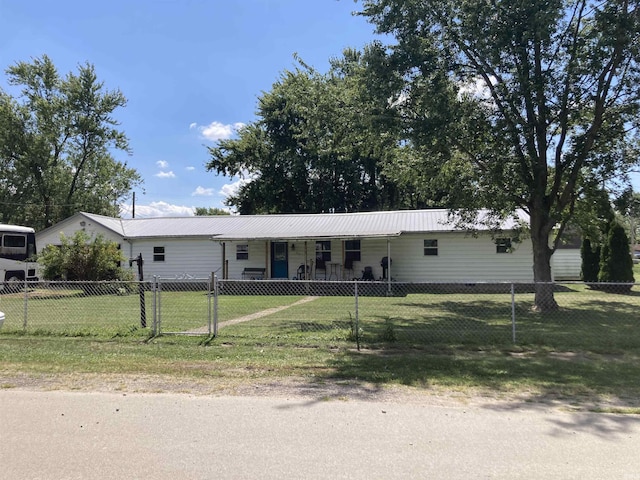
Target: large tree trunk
544	299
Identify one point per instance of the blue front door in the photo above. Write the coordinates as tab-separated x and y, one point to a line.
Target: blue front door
279	260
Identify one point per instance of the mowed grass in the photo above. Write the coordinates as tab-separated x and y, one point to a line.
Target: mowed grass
588	319
589	349
72	313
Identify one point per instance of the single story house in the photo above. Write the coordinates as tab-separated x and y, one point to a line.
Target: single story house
423	246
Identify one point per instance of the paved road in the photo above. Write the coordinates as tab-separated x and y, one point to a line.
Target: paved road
67	435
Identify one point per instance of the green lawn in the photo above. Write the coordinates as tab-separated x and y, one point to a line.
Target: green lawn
590	348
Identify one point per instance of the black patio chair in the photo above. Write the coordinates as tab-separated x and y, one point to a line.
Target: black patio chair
367	273
301	274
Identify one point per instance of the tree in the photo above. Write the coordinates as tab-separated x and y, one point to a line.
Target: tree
590	261
83	258
57	140
203	211
517	105
616	265
319	144
628	206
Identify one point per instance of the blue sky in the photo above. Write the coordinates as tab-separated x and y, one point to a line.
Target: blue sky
190	69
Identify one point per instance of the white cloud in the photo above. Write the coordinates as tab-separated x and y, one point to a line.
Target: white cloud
157	209
217	131
162	164
202	192
168	174
229	189
477	89
190	168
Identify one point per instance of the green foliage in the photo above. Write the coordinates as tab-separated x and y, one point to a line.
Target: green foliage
590	261
388	333
203	211
593	213
83	258
512	104
57	141
616	264
320	144
628	207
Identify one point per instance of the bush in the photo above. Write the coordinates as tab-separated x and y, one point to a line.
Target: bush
80	258
616	265
590	261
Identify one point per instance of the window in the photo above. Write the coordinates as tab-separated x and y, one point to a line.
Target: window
431	247
14	241
352	250
503	245
242	252
323	251
158	254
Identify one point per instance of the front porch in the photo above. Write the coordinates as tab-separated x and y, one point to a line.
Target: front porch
307	259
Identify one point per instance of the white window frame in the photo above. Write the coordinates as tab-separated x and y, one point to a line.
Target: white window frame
242	251
159	253
430	248
353	253
504	245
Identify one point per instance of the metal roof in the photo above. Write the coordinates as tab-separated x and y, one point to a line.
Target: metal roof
287	226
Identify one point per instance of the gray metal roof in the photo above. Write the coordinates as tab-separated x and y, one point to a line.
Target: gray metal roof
289	226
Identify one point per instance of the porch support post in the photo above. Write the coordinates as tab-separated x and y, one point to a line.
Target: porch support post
306	271
389	265
224	261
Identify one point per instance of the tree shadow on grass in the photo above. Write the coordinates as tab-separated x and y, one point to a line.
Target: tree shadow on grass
584	323
518	379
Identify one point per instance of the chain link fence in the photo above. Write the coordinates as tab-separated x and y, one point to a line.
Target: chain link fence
410	315
330	314
107	309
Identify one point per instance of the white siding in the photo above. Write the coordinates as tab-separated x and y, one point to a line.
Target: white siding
197	258
460	258
258	255
69	227
566	264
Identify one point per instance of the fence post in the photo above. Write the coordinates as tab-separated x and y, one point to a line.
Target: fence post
210	281
355	291
159	293
26	308
154	299
513	313
215	307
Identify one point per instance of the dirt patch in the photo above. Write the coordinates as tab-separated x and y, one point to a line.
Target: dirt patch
311	390
289	387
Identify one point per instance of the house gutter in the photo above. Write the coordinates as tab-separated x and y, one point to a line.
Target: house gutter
245	238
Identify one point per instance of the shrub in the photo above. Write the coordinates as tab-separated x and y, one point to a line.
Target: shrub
590	261
616	265
83	259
